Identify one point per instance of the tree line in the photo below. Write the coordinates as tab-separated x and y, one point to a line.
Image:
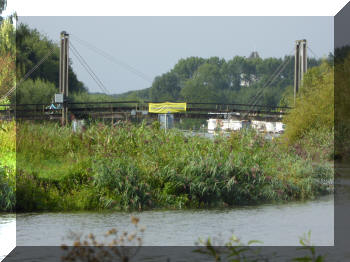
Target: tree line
216	80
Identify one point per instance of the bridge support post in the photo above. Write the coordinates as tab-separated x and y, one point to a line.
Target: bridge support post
63	74
300	64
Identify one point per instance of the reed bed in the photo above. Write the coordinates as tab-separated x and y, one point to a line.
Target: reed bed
138	167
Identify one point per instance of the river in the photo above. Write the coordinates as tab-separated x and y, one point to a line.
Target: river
273	224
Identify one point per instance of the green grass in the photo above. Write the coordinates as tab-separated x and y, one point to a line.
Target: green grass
7	166
129	167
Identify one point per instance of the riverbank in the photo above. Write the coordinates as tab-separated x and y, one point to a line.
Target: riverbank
128	167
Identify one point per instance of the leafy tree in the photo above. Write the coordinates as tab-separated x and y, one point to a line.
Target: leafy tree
314	107
7	74
7	56
35	92
7	37
187	80
186	68
204	86
165	88
31	48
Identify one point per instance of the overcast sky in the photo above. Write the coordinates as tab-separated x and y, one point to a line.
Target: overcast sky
153	45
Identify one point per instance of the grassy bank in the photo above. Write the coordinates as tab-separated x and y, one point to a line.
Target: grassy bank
139	167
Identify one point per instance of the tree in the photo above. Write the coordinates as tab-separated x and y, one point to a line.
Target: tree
165	88
3	4
186	68
35	92
7	73
31	48
314	107
184	82
7	56
204	86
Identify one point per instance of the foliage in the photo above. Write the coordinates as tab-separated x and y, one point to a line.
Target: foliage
236	251
7	56
31	47
7	188
7	37
314	106
342	105
117	249
35	92
7	166
126	167
165	88
89	97
124	246
196	79
204	86
3	4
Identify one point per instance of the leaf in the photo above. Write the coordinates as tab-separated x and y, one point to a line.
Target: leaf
254	242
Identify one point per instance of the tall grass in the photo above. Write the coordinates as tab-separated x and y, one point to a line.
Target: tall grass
139	167
7	165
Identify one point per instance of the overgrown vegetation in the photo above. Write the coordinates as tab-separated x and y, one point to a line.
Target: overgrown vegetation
342	105
7	56
7	166
310	124
129	167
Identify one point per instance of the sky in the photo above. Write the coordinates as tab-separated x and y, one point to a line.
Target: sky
148	46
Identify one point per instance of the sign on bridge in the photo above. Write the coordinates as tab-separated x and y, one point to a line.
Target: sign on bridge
167	107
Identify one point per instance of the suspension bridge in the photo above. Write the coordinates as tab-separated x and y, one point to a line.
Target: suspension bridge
118	110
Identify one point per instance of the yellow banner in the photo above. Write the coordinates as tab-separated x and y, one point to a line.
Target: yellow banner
167	107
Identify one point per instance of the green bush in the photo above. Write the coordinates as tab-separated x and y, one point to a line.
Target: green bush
310	124
7	189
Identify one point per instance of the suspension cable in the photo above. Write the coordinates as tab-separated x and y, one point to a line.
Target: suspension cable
312	52
113	59
271	81
273	77
25	77
82	61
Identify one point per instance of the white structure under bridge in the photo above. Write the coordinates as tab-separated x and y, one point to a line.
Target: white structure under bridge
235	125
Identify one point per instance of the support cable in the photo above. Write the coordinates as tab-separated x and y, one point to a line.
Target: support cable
312	52
276	72
273	77
88	69
113	59
271	81
25	77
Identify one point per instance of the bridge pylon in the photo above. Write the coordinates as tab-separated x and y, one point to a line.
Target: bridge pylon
300	64
63	73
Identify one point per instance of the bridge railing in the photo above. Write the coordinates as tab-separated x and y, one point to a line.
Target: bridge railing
194	109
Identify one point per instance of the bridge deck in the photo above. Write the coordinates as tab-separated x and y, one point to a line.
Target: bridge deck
129	109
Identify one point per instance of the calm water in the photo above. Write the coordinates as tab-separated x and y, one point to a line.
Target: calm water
272	224
280	225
